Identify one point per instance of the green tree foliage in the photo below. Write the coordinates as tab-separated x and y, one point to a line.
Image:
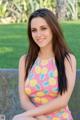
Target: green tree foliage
79	9
72	9
3	8
19	10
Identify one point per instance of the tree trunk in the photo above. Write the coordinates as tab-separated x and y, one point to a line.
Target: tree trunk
61	9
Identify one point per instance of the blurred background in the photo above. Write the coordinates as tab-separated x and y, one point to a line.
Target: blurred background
13	26
17	11
14	43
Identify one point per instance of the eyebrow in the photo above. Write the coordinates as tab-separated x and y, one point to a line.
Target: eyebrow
40	26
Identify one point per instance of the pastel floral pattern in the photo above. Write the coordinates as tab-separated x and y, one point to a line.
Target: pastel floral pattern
42	86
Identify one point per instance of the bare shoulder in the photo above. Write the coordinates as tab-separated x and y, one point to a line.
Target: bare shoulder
72	57
22	59
70	67
72	60
22	67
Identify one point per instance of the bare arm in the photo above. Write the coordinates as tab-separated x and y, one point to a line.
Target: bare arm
24	100
60	101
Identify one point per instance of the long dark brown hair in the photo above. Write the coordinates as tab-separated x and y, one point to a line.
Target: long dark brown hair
59	46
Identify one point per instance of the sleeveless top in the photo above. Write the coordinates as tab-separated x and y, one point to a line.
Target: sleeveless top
41	86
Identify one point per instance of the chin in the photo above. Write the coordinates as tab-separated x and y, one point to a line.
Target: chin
41	46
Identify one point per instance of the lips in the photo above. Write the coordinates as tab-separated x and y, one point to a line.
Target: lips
40	40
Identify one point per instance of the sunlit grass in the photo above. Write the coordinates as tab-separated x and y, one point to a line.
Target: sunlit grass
4	50
14	42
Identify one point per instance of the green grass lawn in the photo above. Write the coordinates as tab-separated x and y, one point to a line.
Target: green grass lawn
14	42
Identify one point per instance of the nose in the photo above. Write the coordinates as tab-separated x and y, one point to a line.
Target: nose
38	33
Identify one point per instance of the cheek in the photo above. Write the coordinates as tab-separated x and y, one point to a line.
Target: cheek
33	35
49	35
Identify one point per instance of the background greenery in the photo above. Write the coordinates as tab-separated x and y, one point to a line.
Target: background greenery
14	42
12	11
13	37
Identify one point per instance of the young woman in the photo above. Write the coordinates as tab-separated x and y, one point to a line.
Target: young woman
47	74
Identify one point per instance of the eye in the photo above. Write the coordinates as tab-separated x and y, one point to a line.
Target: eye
33	30
43	28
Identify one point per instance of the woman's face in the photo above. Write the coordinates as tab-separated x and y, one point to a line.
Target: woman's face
41	32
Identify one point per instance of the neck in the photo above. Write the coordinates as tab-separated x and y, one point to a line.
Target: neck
46	52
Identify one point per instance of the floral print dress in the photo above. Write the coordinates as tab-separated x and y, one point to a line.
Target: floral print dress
41	86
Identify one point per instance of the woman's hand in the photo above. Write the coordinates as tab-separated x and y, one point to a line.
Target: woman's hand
42	117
